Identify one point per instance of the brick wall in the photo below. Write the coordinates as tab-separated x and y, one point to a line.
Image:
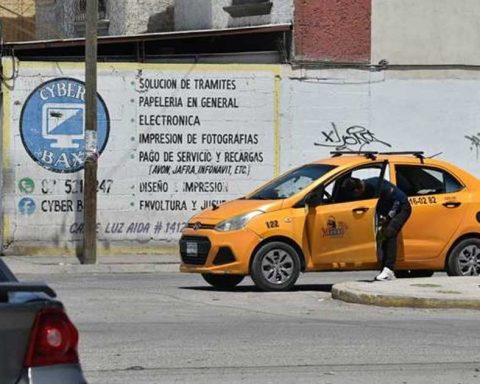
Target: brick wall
332	30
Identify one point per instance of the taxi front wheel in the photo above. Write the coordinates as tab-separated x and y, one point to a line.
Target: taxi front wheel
223	282
464	259
275	267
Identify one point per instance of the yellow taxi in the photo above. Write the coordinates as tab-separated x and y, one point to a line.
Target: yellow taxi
301	222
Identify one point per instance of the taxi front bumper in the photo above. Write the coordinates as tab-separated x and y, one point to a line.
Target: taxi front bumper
211	251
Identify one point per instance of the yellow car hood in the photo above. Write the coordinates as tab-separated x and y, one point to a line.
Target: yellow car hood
234	208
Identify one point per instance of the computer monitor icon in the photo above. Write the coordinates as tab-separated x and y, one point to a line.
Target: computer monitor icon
63	123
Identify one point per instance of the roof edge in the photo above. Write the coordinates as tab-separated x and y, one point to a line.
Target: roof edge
151	36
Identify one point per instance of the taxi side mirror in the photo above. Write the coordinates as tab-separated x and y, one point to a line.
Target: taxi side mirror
313	199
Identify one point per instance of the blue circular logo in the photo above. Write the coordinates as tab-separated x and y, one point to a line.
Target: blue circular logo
26	206
52	125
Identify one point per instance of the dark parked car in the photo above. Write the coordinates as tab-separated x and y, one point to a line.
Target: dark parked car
38	342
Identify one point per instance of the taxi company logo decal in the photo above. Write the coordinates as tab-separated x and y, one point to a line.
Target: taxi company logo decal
334	228
52	125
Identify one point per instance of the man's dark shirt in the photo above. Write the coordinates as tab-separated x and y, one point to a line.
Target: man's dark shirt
391	197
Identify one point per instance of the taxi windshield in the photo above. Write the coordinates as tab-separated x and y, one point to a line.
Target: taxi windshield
292	182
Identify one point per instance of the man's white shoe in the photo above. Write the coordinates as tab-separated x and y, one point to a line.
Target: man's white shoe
386	275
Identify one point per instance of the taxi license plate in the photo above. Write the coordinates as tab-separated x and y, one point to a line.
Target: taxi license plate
192	248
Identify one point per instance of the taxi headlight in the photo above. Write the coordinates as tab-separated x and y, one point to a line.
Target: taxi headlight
237	222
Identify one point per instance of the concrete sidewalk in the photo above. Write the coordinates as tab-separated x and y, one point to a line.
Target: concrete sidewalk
431	292
107	264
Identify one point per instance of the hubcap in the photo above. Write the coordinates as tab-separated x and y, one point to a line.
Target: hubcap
469	261
277	266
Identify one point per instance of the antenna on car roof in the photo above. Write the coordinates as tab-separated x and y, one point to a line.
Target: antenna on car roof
368	154
435	155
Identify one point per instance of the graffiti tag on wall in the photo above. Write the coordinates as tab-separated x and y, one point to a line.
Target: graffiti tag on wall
355	138
474	141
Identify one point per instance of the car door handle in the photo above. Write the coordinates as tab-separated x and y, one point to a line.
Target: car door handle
452	204
359	210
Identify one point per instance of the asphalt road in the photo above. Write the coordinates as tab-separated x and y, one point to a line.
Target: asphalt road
172	328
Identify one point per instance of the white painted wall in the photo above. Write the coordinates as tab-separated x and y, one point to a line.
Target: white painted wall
426	31
312	111
389	112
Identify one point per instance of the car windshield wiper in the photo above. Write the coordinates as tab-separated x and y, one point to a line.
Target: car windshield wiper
260	197
266	198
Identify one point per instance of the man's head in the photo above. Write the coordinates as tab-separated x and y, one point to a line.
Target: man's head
353	187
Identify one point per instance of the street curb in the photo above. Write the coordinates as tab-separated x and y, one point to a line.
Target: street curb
100	269
45	266
345	292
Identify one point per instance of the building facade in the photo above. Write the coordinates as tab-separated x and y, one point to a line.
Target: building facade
231	94
415	32
122	17
130	17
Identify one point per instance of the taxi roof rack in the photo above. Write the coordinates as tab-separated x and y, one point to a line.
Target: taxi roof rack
417	154
372	155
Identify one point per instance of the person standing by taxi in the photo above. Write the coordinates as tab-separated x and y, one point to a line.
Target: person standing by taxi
393	210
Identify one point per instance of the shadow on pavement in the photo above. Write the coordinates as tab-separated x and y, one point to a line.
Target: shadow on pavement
252	288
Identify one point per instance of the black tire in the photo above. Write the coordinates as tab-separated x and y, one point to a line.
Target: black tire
412	273
464	258
278	260
223	282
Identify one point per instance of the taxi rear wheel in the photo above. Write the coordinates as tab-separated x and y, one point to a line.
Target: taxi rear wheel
223	282
464	259
275	267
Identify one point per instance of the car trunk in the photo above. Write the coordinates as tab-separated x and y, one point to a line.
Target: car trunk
19	304
16	321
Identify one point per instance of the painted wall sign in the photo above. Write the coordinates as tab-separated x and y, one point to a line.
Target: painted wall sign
52	125
26	206
182	138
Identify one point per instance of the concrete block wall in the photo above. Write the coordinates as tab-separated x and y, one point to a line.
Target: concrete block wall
128	17
210	14
281	13
200	14
46	20
18	20
56	19
426	31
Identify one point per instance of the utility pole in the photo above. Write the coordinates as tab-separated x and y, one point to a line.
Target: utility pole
90	174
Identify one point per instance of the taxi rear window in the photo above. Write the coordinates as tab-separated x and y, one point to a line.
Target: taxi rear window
292	182
417	180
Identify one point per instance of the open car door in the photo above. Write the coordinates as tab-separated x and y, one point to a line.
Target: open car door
341	228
